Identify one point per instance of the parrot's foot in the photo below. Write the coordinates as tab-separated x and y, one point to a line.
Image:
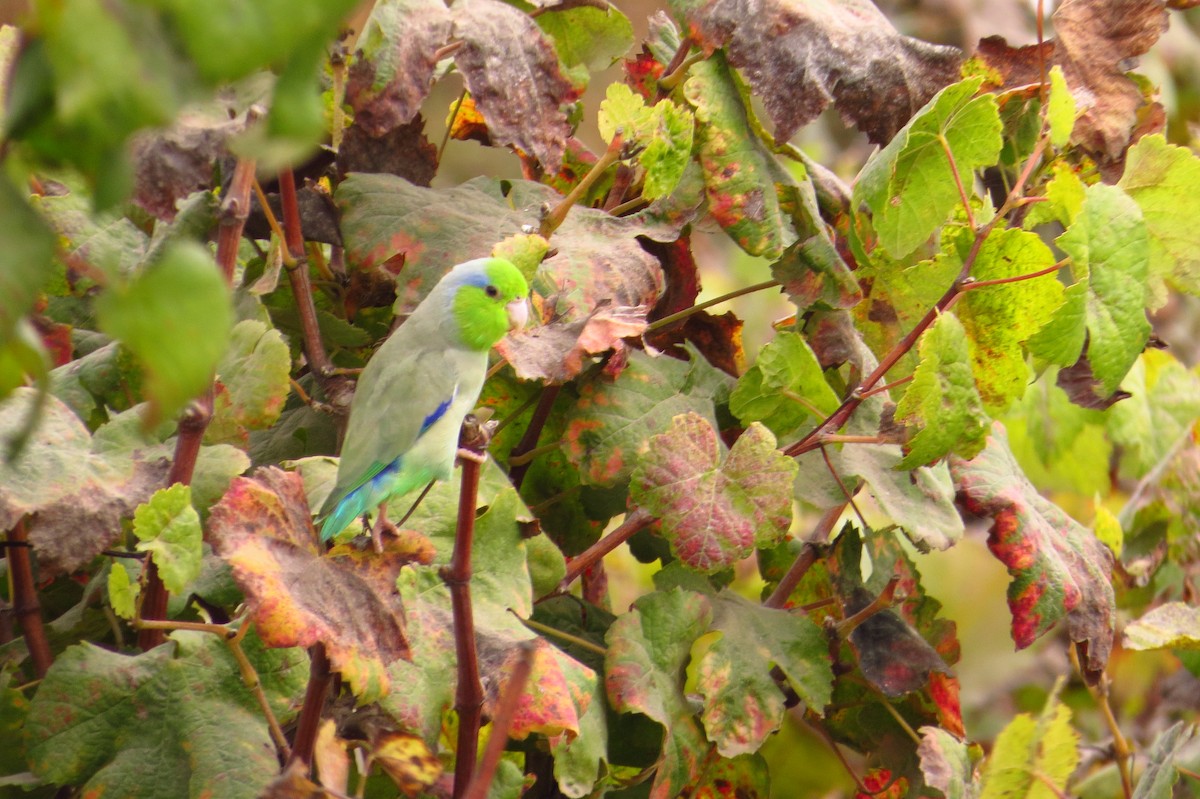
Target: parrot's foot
382	525
471	455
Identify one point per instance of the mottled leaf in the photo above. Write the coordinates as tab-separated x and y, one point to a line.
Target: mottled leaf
799	56
407	760
784	387
648	649
1160	776
1165	402
168	527
741	177
714	514
910	184
175	317
172	163
812	271
743	704
946	764
1032	758
1096	41
347	600
74	490
614	419
1060	571
512	72
661	135
1173	625
942	401
395	68
98	713
1164	180
252	383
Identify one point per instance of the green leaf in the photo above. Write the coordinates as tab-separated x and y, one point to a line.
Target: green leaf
715	514
648	649
1149	424
24	259
1030	753
1160	775
613	421
784	387
1060	109
739	714
909	185
1174	625
1064	196
1165	181
941	400
168	527
946	764
98	713
999	319
175	317
122	591
1107	528
740	174
588	36
1060	571
252	383
661	135
622	109
1109	253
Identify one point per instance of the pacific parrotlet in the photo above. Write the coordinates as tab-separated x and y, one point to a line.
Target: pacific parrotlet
412	396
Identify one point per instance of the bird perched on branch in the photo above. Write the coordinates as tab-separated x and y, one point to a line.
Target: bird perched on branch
412	396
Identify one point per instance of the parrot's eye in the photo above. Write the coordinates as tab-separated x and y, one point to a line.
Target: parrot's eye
492	291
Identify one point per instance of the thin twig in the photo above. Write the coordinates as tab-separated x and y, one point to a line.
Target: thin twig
502	721
686	312
462	97
635	521
962	189
558	214
882	602
529	439
846	492
886	387
974	285
546	629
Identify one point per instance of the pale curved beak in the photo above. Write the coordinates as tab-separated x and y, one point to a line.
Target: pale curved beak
518	313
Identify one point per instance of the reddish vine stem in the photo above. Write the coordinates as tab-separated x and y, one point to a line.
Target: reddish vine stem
541	414
501	724
320	678
297	270
468	700
183	465
882	602
806	558
26	607
635	521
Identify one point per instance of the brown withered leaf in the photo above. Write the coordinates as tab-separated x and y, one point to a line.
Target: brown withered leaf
73	490
512	72
395	65
404	151
800	56
1084	389
346	600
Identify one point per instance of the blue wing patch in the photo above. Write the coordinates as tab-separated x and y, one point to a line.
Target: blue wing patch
438	412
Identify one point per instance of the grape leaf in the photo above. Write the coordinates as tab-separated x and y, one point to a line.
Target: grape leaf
347	600
175	317
800	56
999	319
946	764
398	54
784	387
252	383
1060	571
587	36
512	72
1164	180
1030	753
613	421
72	488
648	649
29	249
168	527
1160	776
98	713
1164	404
1060	109
909	185
1174	625
942	401
741	177
660	134
741	711
714	514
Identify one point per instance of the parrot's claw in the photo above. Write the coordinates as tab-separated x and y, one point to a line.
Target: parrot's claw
471	455
382	525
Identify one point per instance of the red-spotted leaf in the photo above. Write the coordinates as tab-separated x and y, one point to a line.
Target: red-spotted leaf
1060	571
713	513
73	490
347	600
512	72
613	420
595	290
252	383
800	56
648	649
98	713
741	177
394	69
743	703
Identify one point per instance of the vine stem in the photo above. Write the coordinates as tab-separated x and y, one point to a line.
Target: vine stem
686	312
527	449
806	558
468	700
297	271
506	711
635	521
320	678
1000	281
26	606
558	214
958	182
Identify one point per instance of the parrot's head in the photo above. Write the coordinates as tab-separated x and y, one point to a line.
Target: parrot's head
488	299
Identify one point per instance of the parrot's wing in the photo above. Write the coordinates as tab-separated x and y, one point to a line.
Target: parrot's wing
394	404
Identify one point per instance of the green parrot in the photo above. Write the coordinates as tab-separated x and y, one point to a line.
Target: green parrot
412	396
